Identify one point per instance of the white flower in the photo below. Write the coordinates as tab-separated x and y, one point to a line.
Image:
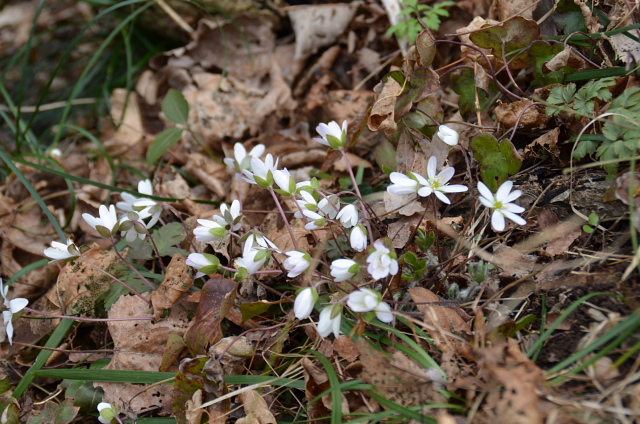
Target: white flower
253	260
297	262
315	220
13	307
343	269
382	262
54	153
383	312
304	303
107	412
144	187
286	183
209	230
231	217
403	184
332	134
261	172
501	204
200	261
364	300
348	216
107	224
358	238
308	202
329	206
329	321
242	160
256	240
448	135
59	251
438	183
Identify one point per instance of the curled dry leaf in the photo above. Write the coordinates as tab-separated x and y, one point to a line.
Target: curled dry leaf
177	281
218	296
442	321
382	113
521	113
139	345
547	142
256	409
397	377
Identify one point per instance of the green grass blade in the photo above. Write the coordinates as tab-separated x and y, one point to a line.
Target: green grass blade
7	160
54	341
334	382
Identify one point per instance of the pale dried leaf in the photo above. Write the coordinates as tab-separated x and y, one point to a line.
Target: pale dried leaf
177	281
382	113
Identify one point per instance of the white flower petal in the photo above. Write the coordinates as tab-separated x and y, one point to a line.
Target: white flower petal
497	221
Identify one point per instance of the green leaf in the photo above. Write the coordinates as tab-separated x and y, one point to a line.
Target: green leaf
584	148
166	237
55	413
498	160
540	53
463	83
162	143
175	107
515	34
593	218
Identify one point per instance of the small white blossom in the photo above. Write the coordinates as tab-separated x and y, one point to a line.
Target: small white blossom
329	322
382	262
438	184
107	412
242	160
304	303
285	181
54	153
448	135
257	240
253	260
364	300
209	231
13	307
344	269
261	173
405	184
332	134
329	206
358	238
107	224
200	261
501	204
59	251
297	262
348	216
231	216
383	312
315	220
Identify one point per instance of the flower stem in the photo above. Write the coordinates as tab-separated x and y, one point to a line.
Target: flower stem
365	212
107	273
155	247
284	218
133	268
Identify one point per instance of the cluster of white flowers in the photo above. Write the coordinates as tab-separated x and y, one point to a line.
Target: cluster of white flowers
318	210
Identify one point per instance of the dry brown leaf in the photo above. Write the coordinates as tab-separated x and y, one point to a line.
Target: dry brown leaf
139	345
519	402
397	377
512	261
347	104
218	295
177	281
509	8
382	113
470	53
126	113
256	409
318	26
522	113
442	321
547	141
565	58
208	171
563	236
316	382
346	348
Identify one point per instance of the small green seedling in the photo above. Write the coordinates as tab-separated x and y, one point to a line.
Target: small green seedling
593	221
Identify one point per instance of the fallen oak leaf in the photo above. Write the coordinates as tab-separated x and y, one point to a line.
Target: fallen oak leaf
177	281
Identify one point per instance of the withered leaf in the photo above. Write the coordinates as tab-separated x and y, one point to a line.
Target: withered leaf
176	282
218	296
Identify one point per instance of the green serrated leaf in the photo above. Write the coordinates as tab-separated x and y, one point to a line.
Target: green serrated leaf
168	236
584	148
515	34
175	107
140	250
498	160
163	142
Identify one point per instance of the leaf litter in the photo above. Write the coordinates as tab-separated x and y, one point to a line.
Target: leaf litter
247	79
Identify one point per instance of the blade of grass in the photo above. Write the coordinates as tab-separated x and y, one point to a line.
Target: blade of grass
54	341
334	382
7	160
